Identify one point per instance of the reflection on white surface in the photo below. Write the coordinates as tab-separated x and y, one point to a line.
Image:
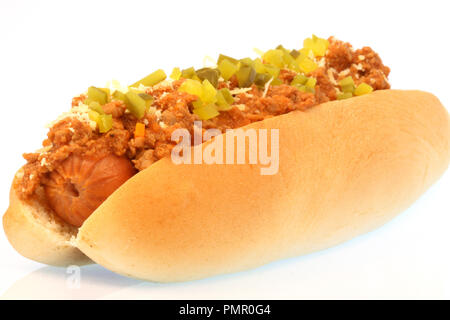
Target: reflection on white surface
331	274
57	283
408	258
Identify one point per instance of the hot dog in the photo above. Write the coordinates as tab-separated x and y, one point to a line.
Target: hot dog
350	155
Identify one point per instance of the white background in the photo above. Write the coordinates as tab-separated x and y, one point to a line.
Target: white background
51	51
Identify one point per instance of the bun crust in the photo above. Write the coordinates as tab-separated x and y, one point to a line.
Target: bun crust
38	234
346	167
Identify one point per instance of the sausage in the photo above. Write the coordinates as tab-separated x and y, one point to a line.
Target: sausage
77	187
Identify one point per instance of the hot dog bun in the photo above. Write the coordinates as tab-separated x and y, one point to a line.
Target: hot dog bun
39	234
346	167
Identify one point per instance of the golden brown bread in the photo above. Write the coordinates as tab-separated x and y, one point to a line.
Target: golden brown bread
346	167
38	234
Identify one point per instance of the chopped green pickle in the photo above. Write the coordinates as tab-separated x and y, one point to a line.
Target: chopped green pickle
227	69
176	74
299	79
363	88
192	87
227	95
223	57
272	70
347	85
224	100
276	82
294	53
188	73
210	74
262	78
147	98
97	95
344	95
206	112
152	79
245	75
348	88
117	95
136	104
347	81
104	122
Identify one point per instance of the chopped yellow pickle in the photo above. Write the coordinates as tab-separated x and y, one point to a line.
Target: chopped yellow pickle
247	61
152	79
198	103
222	57
363	88
206	112
306	64
276	82
227	69
176	74
208	93
97	95
93	115
317	45
190	86
311	83
104	122
94	105
259	66
274	57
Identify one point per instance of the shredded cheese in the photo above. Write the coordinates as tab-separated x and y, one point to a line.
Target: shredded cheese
321	62
80	112
359	67
266	87
239	91
343	73
240	106
330	73
162	124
